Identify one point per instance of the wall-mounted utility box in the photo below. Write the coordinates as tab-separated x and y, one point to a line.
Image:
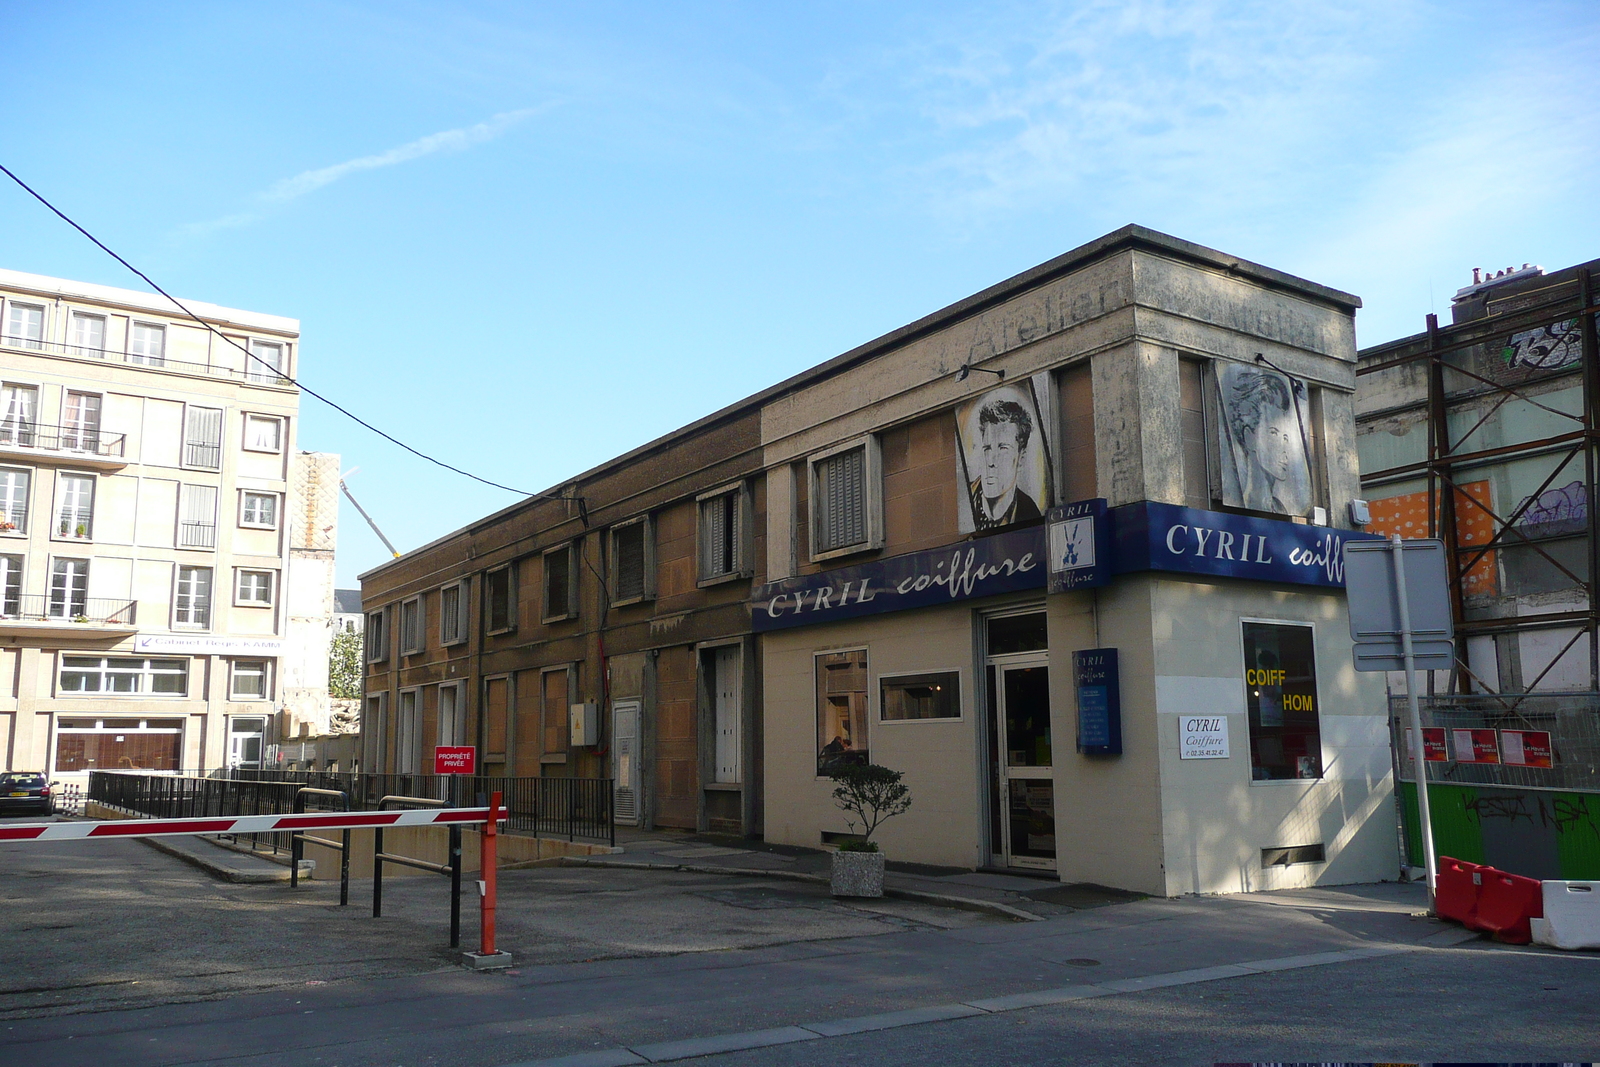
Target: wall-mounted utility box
585	724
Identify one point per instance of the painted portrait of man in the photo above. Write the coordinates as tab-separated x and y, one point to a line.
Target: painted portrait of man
1265	465
1003	459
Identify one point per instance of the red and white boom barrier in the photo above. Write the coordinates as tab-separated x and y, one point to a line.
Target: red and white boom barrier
245	824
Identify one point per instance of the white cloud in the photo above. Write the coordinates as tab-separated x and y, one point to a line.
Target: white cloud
457	140
447	141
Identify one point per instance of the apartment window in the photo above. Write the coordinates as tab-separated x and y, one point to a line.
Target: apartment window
14	484
920	696
202	438
374	731
191	604
247	680
560	581
410	626
80	422
75	506
722	532
844	494
1192	427
266	361
25	325
452	716
253	588
841	709
258	510
376	641
632	562
197	521
89	335
499	600
69	589
124	674
263	433
407	734
453	614
10	586
1280	689
19	414
147	344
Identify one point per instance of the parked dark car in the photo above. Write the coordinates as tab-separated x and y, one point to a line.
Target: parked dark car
24	791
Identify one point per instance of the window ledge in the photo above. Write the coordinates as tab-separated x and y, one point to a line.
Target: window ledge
559	757
724	579
849	550
725	787
631	601
568	617
452	644
501	631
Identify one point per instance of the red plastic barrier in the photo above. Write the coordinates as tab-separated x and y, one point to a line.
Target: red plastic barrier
1455	894
1505	904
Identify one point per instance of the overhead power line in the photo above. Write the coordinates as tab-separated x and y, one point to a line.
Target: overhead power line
251	355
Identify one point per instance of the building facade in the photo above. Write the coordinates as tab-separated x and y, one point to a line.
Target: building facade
1067	553
166	552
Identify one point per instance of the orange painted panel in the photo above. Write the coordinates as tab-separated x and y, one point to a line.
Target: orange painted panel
1407	515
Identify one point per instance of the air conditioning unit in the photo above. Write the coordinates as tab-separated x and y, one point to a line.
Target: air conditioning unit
585	725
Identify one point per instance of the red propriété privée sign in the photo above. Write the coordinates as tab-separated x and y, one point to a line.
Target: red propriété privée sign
1433	748
1476	746
1526	748
455	759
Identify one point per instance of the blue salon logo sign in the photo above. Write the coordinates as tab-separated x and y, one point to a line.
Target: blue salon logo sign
1004	563
1165	537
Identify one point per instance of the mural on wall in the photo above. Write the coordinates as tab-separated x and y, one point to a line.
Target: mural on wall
1551	347
1265	465
1002	459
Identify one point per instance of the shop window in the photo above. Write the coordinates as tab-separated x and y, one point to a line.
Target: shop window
499	600
119	744
632	562
920	696
1018	633
841	710
560	584
124	675
1280	685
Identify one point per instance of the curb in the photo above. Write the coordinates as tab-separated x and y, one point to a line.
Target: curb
218	870
993	907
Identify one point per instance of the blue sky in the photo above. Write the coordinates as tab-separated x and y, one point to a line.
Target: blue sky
527	237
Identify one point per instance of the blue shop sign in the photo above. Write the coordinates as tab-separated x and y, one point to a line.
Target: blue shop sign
1165	537
1081	546
1004	563
1095	676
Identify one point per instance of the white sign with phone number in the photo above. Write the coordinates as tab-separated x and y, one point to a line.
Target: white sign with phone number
1203	737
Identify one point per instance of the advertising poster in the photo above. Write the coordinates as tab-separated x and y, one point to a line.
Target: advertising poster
1433	745
1526	748
1265	448
1002	459
1475	746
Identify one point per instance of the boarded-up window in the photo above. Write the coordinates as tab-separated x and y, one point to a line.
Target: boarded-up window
496	703
554	711
499	594
841	504
1192	426
558	598
1076	386
630	560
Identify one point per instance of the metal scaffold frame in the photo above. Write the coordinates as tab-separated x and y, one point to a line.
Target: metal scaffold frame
1453	386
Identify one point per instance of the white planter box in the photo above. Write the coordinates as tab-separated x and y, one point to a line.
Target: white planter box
858	874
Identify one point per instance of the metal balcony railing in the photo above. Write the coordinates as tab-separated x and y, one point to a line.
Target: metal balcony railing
36	607
20	433
197	535
256	374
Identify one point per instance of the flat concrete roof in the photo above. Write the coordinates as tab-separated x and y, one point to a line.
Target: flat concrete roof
138	300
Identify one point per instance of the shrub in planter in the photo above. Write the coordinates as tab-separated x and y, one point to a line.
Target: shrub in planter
867	794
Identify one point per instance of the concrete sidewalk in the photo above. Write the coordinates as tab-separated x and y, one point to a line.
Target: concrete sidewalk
1019	897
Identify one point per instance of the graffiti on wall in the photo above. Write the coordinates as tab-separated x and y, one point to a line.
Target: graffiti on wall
1551	347
1564	509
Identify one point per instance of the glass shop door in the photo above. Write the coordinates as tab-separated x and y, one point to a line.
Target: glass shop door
1024	797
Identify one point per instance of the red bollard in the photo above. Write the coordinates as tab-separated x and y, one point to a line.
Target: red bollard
488	863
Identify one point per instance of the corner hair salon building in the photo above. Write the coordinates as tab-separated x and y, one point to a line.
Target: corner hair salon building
1067	553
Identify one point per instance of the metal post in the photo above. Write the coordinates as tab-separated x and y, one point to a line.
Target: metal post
455	886
377	872
488	861
344	871
1419	750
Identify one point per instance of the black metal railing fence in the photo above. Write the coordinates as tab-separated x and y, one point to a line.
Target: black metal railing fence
573	808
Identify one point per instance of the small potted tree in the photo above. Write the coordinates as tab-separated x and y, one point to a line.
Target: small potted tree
867	794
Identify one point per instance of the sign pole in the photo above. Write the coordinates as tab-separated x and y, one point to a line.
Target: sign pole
1419	747
488	862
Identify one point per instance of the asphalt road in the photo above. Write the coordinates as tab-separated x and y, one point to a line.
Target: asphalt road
259	976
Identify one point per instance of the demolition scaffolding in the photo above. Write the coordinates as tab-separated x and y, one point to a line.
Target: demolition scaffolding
1485	433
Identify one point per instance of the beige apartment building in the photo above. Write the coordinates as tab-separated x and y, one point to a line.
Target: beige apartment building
166	554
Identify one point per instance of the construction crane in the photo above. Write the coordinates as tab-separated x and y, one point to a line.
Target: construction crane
345	489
